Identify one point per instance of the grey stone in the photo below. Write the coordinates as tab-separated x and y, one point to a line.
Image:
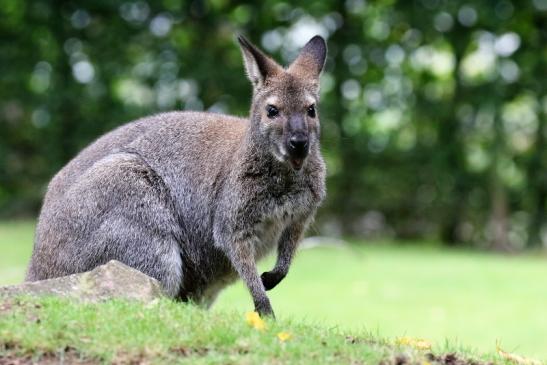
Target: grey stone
108	281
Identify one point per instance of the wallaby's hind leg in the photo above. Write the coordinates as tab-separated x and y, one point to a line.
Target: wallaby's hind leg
118	209
127	241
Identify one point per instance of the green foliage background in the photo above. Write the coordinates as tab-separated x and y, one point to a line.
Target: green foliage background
433	111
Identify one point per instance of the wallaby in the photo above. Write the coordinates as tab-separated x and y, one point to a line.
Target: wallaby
194	199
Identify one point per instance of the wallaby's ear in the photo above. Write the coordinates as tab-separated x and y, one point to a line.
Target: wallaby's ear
259	66
311	59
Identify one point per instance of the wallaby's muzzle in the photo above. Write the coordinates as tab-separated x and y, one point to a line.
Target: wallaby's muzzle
297	141
298	148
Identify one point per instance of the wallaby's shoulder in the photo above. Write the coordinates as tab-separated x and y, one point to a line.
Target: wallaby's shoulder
192	118
173	125
204	126
171	121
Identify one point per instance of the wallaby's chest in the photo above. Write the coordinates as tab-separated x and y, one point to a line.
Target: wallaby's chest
268	233
280	211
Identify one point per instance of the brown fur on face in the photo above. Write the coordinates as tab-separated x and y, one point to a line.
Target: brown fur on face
292	92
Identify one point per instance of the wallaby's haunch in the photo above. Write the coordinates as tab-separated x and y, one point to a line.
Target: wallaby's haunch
195	199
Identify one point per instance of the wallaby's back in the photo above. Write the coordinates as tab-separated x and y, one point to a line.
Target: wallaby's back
156	129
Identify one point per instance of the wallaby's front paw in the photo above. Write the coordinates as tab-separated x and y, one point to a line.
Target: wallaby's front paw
266	312
270	279
264	308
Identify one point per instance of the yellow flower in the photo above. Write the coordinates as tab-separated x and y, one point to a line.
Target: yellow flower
284	336
517	359
254	320
417	343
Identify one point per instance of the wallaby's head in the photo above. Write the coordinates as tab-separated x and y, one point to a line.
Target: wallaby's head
284	107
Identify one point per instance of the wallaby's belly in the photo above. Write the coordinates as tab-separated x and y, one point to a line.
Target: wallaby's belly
203	279
268	232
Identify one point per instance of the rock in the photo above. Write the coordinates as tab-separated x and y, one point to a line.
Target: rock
112	280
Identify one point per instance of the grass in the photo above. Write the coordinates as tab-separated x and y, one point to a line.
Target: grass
467	299
15	248
165	332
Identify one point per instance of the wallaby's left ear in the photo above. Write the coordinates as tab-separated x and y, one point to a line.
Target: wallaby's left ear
259	66
311	59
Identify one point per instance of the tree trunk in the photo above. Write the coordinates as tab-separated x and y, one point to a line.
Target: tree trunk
498	224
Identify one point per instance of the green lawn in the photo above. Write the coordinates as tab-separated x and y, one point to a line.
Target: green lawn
52	330
468	298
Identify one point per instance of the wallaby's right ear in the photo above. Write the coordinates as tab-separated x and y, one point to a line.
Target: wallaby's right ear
311	59
259	66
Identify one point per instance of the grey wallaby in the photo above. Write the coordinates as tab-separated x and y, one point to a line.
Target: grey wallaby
195	199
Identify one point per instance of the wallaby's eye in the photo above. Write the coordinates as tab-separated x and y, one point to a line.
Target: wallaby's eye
311	111
272	111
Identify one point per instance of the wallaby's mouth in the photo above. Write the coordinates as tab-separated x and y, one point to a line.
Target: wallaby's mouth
296	163
298	147
295	159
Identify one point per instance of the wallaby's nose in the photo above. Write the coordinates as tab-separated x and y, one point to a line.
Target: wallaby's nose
298	145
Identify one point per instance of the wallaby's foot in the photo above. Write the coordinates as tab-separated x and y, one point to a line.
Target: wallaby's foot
270	279
264	308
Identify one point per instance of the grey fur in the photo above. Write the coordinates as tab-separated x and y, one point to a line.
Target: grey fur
192	199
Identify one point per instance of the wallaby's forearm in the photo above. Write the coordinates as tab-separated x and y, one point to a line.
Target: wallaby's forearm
242	257
286	249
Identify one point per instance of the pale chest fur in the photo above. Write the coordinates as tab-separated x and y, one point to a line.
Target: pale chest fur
275	199
281	213
268	233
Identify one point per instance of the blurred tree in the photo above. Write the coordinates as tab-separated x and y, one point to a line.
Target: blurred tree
433	111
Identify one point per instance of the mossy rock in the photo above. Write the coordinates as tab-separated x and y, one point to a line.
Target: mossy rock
108	281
